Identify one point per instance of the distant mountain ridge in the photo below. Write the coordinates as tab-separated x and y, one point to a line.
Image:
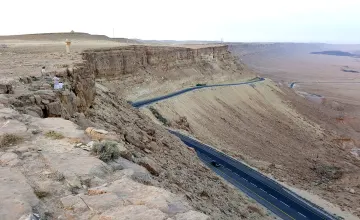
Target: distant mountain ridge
66	35
336	53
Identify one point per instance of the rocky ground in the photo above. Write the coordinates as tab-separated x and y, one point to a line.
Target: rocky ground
47	170
48	167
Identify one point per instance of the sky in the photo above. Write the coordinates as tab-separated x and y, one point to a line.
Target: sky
328	21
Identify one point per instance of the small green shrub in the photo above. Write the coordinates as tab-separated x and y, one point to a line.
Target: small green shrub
201	84
159	116
41	194
106	150
8	140
54	135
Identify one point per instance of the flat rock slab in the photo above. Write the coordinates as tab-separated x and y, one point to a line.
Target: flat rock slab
77	164
65	127
16	195
134	212
191	215
12	127
126	199
151	196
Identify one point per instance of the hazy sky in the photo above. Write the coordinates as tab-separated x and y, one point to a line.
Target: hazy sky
332	21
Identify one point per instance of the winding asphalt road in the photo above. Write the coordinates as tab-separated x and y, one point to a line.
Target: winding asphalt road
272	195
142	103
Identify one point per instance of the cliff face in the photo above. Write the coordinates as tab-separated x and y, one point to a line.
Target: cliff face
133	65
126	60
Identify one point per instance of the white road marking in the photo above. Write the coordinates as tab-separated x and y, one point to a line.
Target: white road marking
284	203
302	214
253	184
272	196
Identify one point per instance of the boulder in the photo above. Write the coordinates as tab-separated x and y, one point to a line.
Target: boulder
150	165
34	111
45	101
54	109
134	138
46	95
153	146
69	102
100	134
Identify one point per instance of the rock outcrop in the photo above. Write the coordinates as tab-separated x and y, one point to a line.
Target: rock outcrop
46	178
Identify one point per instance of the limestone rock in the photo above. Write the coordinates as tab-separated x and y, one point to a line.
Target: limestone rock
69	103
153	146
4	99
16	196
9	159
133	212
44	101
12	127
37	99
134	138
54	109
77	165
102	202
94	134
74	203
34	111
6	89
121	164
48	95
65	127
150	165
32	99
100	134
191	215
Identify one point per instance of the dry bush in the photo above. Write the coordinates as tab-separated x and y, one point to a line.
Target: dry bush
40	193
7	140
106	150
328	172
54	135
157	115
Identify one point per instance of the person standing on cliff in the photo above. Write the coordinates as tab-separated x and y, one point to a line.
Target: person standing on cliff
56	83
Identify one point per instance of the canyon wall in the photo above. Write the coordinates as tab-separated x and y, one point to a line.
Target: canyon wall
126	60
115	63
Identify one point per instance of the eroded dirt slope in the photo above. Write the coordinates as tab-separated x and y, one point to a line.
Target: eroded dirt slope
260	124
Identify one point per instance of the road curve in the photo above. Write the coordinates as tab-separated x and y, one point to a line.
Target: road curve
142	103
275	197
